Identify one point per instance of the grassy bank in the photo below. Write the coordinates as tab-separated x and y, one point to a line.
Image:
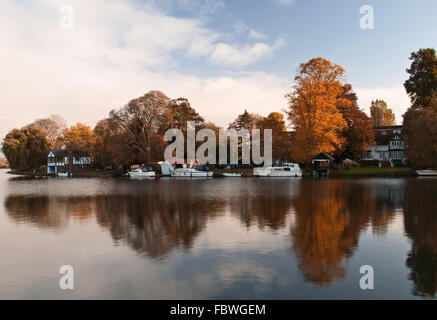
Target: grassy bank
27	174
95	173
373	172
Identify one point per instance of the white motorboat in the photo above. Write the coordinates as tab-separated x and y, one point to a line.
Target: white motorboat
141	172
231	175
63	174
190	173
427	173
287	170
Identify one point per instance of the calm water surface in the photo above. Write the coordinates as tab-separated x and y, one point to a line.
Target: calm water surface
249	238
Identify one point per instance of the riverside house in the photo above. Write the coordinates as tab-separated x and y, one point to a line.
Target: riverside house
68	161
388	148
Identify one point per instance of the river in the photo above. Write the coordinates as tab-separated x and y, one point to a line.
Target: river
222	238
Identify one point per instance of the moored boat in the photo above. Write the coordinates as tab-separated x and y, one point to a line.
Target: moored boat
191	173
231	175
427	173
141	172
63	174
287	170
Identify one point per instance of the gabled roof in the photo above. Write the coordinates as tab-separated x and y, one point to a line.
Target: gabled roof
388	127
323	156
75	153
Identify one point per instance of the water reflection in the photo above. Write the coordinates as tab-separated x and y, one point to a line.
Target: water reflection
156	225
323	220
421	227
48	212
148	223
330	216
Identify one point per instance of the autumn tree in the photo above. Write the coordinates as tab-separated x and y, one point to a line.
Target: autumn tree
381	115
26	149
53	128
142	120
79	136
179	113
281	139
421	86
358	134
313	109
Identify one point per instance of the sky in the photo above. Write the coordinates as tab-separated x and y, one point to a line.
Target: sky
224	56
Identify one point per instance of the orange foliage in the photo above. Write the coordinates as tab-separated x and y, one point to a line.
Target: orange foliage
313	109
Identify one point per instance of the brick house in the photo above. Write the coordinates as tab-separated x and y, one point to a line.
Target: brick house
68	160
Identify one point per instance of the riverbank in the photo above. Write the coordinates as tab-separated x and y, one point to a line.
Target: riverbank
369	172
358	172
88	174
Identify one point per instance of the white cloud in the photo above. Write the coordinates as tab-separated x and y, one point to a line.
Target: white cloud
229	55
119	50
395	96
257	35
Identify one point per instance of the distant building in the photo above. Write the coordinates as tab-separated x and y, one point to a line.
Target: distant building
68	160
388	147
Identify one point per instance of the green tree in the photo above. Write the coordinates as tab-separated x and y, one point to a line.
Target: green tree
243	121
381	115
26	149
420	135
421	86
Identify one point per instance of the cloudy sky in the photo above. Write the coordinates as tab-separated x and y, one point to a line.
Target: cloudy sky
224	56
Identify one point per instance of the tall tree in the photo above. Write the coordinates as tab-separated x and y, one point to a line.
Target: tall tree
359	131
26	149
281	139
112	144
381	114
53	128
313	109
421	86
142	120
243	121
180	112
420	135
79	136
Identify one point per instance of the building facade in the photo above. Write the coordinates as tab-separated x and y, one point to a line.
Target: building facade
68	161
388	147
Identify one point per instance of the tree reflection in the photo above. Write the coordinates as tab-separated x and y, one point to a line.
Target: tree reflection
151	223
330	216
155	224
48	212
421	227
